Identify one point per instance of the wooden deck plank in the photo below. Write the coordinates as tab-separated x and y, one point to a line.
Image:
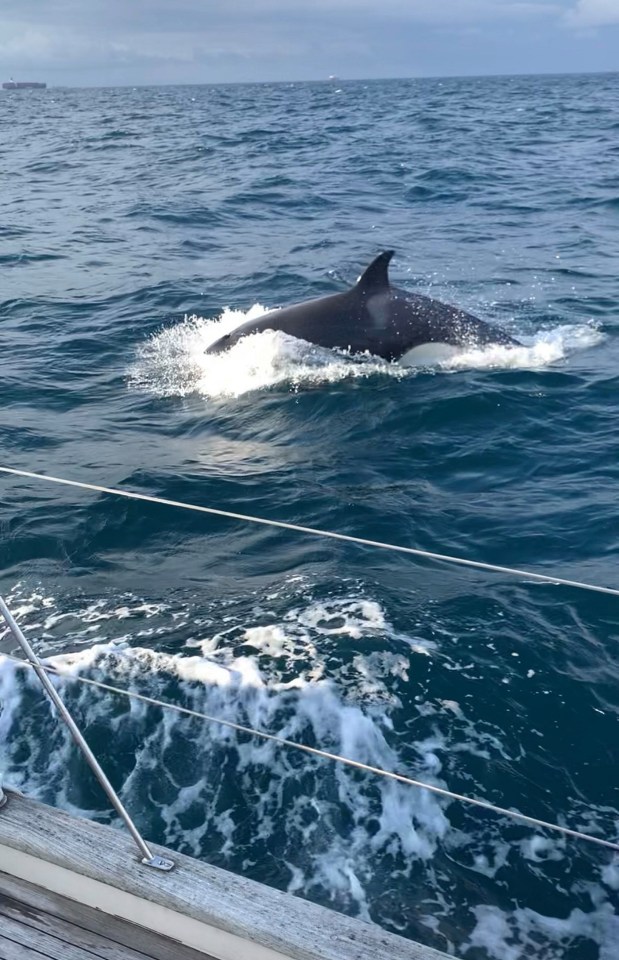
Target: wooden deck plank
117	939
50	947
10	950
98	944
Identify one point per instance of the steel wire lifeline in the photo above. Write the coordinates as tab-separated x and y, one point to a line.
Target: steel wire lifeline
314	531
326	755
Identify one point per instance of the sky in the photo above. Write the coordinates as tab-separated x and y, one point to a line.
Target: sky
118	42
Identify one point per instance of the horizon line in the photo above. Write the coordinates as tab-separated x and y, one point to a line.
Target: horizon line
329	79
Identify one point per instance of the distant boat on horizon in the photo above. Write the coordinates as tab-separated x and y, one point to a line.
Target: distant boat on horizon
23	85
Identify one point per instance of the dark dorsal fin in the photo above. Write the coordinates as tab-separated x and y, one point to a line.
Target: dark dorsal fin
376	277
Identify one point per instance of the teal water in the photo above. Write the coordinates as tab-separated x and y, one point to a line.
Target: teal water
135	226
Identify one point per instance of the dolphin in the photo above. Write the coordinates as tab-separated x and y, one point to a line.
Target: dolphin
374	317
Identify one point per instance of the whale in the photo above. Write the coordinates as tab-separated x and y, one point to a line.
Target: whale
373	317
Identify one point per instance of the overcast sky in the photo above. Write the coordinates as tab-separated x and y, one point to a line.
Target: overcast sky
110	42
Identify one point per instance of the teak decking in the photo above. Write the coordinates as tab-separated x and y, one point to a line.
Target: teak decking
35	924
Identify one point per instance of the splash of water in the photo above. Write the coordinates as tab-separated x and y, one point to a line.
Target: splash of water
173	362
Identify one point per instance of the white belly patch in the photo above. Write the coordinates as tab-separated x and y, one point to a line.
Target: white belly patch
429	354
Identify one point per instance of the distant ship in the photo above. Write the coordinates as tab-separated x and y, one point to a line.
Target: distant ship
23	85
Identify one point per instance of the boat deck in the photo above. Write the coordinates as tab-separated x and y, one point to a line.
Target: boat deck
35	924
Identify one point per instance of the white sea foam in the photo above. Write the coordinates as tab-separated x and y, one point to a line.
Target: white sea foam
237	681
173	362
524	933
540	350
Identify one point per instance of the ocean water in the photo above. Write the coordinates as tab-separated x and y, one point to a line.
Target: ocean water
136	225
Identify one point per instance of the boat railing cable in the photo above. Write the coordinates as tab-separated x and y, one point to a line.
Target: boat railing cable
325	755
314	531
148	858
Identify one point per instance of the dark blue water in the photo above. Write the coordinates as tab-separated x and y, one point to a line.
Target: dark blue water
135	226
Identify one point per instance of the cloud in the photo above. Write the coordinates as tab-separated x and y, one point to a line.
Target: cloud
50	30
160	15
108	36
430	12
594	13
193	40
426	10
